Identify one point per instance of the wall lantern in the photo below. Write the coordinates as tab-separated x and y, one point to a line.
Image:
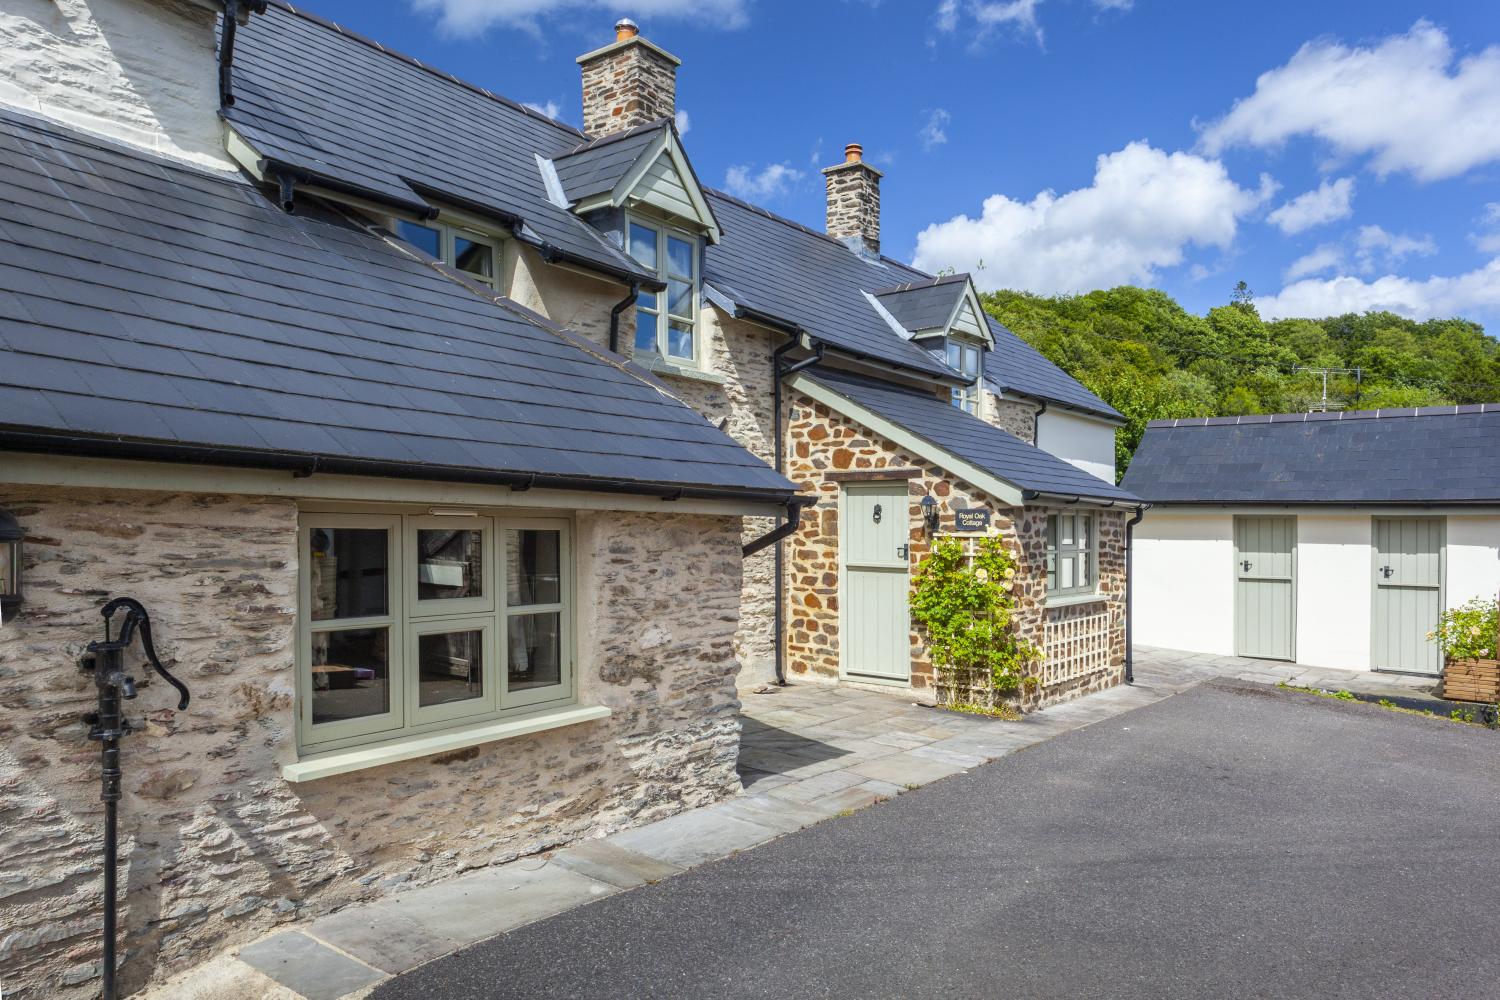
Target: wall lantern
930	513
11	534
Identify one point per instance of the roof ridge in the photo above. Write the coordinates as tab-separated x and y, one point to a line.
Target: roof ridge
613	137
933	282
441	74
1390	413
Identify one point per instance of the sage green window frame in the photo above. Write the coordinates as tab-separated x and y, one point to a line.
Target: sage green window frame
407	619
661	313
449	233
1072	540
965	397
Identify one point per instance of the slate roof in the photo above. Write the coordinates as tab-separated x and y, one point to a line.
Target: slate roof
1438	455
1014	366
324	101
596	167
153	309
924	305
388	124
967	437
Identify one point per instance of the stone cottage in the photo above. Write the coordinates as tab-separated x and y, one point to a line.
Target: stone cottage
461	458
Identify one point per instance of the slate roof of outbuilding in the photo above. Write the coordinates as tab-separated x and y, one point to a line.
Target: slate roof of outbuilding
1437	455
388	123
154	309
965	436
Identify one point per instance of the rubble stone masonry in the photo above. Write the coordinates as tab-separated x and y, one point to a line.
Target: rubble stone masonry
215	848
627	84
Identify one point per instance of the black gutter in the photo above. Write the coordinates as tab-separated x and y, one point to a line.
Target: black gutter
235	14
616	310
302	465
1140	512
779	372
794	508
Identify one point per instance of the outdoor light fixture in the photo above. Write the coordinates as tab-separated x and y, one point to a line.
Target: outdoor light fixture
11	534
930	513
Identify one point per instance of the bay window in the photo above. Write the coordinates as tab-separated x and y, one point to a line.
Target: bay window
410	624
666	322
1071	555
964	357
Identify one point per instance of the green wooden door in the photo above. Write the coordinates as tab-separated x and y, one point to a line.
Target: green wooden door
1408	594
876	633
1265	567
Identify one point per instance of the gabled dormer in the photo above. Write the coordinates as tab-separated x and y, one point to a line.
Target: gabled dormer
944	316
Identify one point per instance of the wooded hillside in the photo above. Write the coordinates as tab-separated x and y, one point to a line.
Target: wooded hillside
1150	359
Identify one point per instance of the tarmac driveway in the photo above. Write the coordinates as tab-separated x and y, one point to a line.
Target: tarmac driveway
1232	841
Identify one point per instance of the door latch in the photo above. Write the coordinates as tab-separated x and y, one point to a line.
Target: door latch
902	551
1244	565
1386	572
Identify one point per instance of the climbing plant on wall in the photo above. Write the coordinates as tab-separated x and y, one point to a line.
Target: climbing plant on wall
965	605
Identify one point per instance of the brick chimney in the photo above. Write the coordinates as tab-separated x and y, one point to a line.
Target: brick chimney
627	83
854	202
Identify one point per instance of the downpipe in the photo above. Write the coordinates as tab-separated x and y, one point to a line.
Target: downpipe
1140	512
779	373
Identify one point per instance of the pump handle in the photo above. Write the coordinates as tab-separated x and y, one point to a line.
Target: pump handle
136	616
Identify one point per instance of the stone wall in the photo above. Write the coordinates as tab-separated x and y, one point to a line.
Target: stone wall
736	394
140	71
825	451
216	849
853	211
1014	415
627	84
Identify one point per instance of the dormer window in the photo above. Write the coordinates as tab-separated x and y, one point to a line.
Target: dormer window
474	253
967	359
667	322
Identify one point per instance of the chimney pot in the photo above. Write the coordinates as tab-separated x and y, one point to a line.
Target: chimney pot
854	153
626	28
627	83
854	202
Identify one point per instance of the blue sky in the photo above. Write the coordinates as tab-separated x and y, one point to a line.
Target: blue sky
1335	154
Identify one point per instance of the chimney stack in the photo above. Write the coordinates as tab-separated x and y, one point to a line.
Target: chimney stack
627	83
854	202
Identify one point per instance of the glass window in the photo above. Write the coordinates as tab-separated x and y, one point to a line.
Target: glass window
666	324
473	253
965	358
1071	557
419	622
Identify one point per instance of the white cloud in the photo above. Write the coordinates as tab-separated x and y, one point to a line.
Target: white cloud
1327	257
682	121
1407	102
988	16
1143	209
1114	4
1367	250
770	181
551	108
1438	296
1328	202
935	131
1488	238
473	17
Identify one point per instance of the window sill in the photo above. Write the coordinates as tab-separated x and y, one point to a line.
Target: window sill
1073	600
347	761
660	367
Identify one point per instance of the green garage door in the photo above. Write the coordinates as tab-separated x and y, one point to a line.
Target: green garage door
876	634
1408	593
1264	587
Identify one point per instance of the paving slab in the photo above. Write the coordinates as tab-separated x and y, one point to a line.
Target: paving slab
780	814
694	837
381	935
482	905
904	769
309	967
608	862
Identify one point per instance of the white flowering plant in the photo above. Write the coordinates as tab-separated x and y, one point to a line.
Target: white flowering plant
1470	631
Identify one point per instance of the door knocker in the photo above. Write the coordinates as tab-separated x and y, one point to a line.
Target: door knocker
877	513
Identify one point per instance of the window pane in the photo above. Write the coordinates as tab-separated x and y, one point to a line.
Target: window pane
1083	531
645	332
7	583
533	567
646	300
535	650
643	244
680	299
954	361
680	340
1051	571
348	573
424	238
476	258
1065	530
1051	531
450	564
1083	571
350	674
680	257
450	667
1065	577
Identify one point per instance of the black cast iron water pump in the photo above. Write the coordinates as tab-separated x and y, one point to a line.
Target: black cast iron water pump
105	660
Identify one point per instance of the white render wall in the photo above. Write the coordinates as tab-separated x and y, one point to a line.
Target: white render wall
1082	441
1184	580
137	71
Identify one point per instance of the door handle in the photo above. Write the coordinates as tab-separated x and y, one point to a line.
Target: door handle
902	551
1245	565
1386	572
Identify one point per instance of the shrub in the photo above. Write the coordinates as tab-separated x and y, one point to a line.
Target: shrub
967	610
1469	632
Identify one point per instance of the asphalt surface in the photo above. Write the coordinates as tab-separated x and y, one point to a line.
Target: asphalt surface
1233	841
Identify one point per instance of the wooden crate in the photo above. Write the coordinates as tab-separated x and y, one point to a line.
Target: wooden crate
1472	680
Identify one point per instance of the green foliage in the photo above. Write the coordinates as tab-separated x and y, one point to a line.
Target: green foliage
967	610
1149	358
1470	631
